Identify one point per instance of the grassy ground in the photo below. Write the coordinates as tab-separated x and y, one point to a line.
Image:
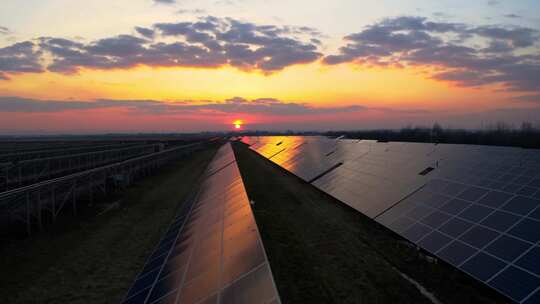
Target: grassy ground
322	251
95	260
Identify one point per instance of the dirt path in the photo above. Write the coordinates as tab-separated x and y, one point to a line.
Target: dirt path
96	260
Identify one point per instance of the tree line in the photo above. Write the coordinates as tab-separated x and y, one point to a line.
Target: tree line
499	134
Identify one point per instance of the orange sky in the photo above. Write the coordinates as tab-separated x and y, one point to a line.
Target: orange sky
313	83
383	71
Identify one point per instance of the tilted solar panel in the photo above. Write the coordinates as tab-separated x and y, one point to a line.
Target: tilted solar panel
476	207
212	252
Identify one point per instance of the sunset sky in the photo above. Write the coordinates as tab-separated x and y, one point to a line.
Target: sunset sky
187	66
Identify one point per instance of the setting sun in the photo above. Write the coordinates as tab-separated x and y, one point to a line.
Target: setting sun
237	124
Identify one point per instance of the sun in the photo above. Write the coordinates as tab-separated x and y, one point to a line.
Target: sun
238	124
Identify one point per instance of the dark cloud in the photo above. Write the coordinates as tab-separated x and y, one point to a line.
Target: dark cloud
493	2
209	42
510	56
247	45
512	16
17	104
269	106
145	32
273	106
518	36
19	58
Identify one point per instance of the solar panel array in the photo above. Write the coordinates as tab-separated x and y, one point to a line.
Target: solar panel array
475	207
212	252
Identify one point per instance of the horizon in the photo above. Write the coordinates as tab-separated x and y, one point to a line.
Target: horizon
165	66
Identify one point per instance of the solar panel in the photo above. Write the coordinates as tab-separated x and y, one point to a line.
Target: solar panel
212	252
477	207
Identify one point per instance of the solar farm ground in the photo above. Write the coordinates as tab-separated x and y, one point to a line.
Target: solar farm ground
322	251
95	259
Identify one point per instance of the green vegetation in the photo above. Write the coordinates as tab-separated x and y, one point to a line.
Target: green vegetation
322	251
95	259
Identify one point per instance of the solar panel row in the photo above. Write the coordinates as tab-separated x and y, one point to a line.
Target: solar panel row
212	252
476	207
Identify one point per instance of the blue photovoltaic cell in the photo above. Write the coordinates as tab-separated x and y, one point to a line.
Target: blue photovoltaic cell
475	213
436	219
478	209
417	231
455	206
483	266
512	188
456	252
453	189
455	227
521	205
527	191
530	261
527	229
495	199
535	214
507	248
473	194
534	298
478	236
402	224
211	250
437	200
434	241
535	183
419	212
515	282
500	221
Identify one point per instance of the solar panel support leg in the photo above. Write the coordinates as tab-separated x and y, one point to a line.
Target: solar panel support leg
39	212
28	207
53	202
74	193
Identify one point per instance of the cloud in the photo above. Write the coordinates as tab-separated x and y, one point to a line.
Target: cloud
462	54
228	2
4	30
17	104
512	16
19	58
271	106
493	2
209	42
518	36
145	32
164	1
196	11
442	15
528	98
267	106
200	115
